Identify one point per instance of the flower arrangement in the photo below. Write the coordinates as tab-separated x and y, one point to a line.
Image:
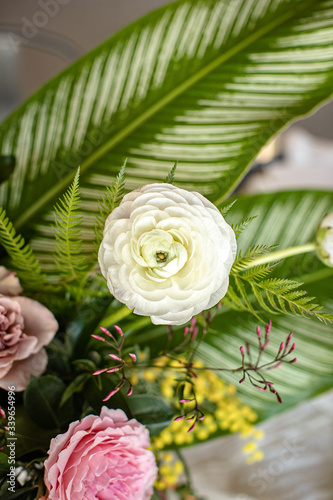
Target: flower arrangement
141	310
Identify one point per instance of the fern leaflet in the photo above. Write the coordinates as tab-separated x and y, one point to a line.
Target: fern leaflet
240	226
171	175
108	203
224	210
278	295
21	255
241	262
68	247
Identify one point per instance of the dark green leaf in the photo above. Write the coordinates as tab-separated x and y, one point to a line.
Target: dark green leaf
77	385
7	164
153	412
42	402
30	436
312	374
25	493
4	465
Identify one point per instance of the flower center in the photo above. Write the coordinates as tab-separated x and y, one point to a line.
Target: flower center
161	256
160	252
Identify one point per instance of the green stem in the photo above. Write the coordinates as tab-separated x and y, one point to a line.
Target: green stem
321	274
117	316
281	254
186	468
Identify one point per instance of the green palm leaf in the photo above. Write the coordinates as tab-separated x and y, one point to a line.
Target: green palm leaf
289	218
311	375
206	83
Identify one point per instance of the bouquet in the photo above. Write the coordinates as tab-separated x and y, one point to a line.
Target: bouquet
145	306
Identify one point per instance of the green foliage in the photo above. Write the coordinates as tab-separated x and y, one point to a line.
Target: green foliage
312	374
208	102
108	203
153	412
225	209
273	288
272	295
42	400
30	436
77	385
240	226
7	164
171	175
22	258
68	248
277	295
250	255
4	465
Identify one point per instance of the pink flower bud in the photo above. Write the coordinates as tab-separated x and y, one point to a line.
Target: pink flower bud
114	391
292	348
115	357
281	347
258	332
181	417
186	400
98	372
132	356
268	327
195	332
97	337
193	322
277	365
293	360
288	339
130	391
104	330
113	370
119	330
186	330
192	426
241	350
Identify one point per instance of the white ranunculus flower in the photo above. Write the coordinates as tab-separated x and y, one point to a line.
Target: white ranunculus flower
325	240
167	253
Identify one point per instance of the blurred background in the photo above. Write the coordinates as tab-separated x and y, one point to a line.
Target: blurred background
40	38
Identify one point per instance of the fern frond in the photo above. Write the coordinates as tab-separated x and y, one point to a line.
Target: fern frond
171	175
278	295
21	255
258	272
108	203
238	300
241	262
240	226
68	246
224	210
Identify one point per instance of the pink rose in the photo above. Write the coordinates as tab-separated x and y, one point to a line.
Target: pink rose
101	457
25	327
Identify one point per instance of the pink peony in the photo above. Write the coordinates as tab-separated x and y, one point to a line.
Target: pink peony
25	327
101	457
